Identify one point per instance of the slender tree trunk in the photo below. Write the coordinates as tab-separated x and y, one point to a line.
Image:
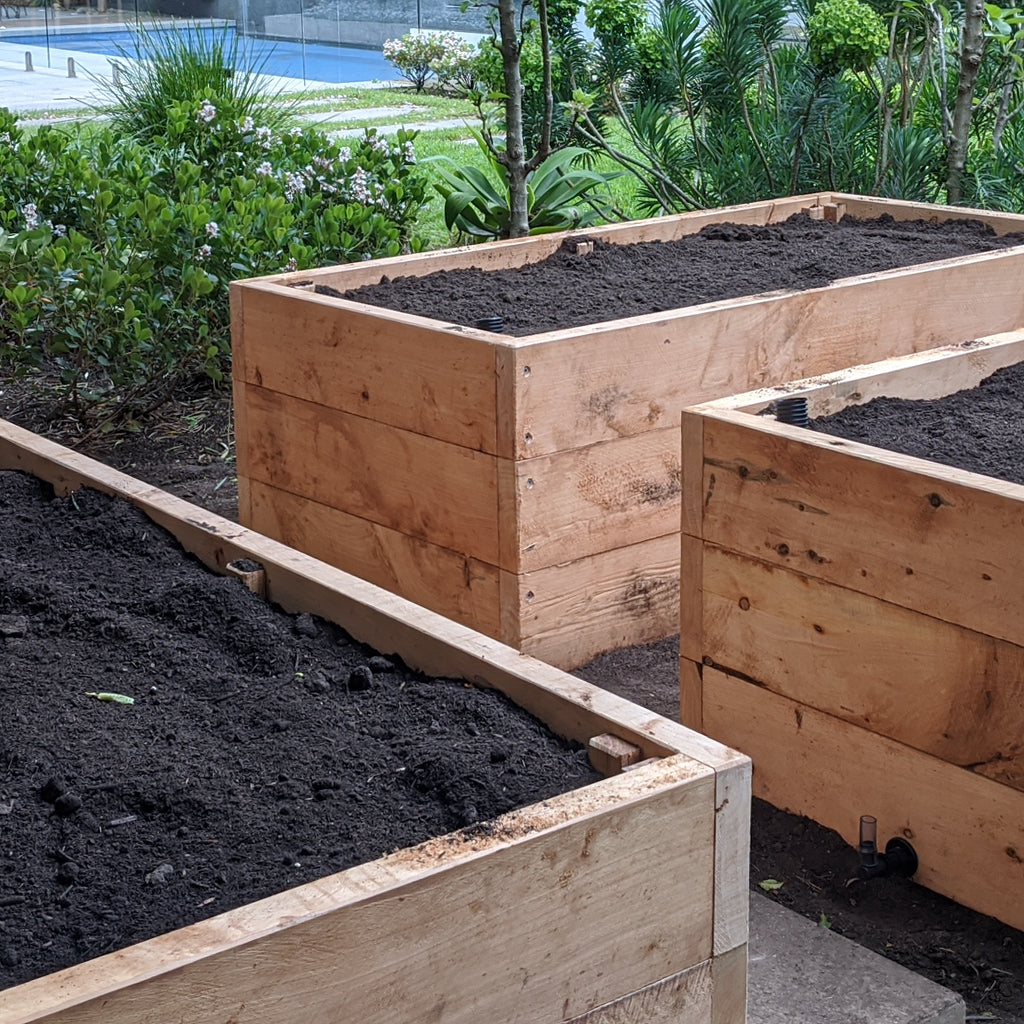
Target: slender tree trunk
972	49
514	155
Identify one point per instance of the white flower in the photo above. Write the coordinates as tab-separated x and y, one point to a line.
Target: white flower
292	264
31	215
212	229
206	113
293	185
265	169
204	251
247	125
265	137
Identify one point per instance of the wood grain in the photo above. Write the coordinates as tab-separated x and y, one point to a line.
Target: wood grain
820	766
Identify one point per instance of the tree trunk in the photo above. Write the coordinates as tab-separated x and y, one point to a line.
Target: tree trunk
514	156
972	49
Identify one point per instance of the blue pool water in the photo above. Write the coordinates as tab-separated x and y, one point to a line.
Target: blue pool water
317	62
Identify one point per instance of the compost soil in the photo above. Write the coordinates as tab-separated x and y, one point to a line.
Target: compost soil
722	261
262	750
979	429
187	448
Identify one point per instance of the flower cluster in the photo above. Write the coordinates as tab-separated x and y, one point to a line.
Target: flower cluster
31	215
418	56
206	113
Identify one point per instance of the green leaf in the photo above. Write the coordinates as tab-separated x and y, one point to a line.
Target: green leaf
770	884
111	698
823	921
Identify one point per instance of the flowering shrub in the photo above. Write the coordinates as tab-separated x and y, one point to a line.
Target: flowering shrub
115	255
443	55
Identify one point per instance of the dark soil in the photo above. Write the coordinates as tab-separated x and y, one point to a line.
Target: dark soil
262	750
723	261
980	429
188	449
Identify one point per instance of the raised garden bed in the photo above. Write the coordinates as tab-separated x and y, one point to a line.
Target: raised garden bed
850	618
622	900
529	486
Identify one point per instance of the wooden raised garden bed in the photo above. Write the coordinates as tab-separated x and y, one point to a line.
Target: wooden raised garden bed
622	901
529	486
851	619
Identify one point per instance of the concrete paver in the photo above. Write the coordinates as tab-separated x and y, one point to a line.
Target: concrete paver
802	973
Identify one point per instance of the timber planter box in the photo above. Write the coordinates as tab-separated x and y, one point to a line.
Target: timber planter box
529	486
621	901
851	619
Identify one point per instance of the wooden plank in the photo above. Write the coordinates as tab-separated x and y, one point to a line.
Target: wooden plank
691	573
932	374
369	362
570	613
424	488
927	537
609	754
392	625
691	690
504	927
691	597
240	421
607	495
833	772
685	998
448	582
932	685
732	855
625	377
729	999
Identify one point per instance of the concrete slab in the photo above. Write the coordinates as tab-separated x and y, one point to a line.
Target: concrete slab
802	973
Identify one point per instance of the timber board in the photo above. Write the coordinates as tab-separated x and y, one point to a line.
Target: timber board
968	831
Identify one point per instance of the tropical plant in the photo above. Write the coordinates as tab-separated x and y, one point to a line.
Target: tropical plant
561	194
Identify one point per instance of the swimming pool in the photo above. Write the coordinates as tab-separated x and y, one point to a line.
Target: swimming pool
317	62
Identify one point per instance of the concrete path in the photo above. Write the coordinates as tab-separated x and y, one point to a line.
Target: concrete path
802	973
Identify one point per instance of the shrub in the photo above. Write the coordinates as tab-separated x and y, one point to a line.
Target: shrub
845	35
446	56
188	65
117	254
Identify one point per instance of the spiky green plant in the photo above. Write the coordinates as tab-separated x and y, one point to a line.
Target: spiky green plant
190	64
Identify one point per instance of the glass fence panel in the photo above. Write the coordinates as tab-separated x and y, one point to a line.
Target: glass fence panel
306	42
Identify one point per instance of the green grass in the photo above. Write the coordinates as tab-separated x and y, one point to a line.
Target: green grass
427	106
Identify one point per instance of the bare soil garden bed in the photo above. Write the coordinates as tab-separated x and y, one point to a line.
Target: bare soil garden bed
722	261
262	751
979	429
853	627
